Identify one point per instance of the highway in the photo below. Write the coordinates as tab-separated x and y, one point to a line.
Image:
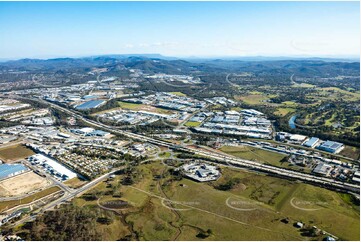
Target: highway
232	161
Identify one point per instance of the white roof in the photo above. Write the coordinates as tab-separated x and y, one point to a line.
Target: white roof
56	166
298	137
86	130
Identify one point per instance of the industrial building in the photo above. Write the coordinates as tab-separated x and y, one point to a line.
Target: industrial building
331	146
90	104
10	170
201	172
312	142
322	169
51	166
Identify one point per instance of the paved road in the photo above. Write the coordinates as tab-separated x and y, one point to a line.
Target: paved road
232	161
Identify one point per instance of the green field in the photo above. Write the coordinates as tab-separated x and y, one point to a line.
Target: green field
143	107
75	182
192	124
255	154
131	106
289	103
179	94
253	99
284	111
304	85
253	209
16	152
10	204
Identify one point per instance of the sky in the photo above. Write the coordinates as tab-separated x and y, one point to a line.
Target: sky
183	29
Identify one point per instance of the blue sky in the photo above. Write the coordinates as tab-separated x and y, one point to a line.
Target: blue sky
52	29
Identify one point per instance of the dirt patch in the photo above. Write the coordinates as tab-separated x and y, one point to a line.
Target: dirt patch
22	184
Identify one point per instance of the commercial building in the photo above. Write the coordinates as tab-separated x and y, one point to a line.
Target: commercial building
10	170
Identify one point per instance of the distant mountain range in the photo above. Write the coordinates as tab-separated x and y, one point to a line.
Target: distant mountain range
155	63
202	59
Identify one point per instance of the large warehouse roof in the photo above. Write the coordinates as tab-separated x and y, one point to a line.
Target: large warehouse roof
8	169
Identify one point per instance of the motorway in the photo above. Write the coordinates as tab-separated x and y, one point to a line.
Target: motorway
230	160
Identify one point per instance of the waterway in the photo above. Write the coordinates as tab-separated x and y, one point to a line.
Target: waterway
291	122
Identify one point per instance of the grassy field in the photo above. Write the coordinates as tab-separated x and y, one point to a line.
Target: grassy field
289	103
10	204
284	111
143	107
16	152
352	152
192	124
304	85
251	153
253	99
164	155
75	182
253	209
131	106
179	94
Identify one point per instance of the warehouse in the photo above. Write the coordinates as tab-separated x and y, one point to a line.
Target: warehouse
312	142
331	146
10	170
53	167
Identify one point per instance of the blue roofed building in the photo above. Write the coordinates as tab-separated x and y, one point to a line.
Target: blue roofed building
312	142
331	146
90	104
10	170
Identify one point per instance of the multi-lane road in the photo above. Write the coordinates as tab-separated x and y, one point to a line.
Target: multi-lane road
223	158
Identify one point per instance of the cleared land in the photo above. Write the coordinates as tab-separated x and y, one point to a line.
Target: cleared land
16	152
143	107
10	204
22	184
